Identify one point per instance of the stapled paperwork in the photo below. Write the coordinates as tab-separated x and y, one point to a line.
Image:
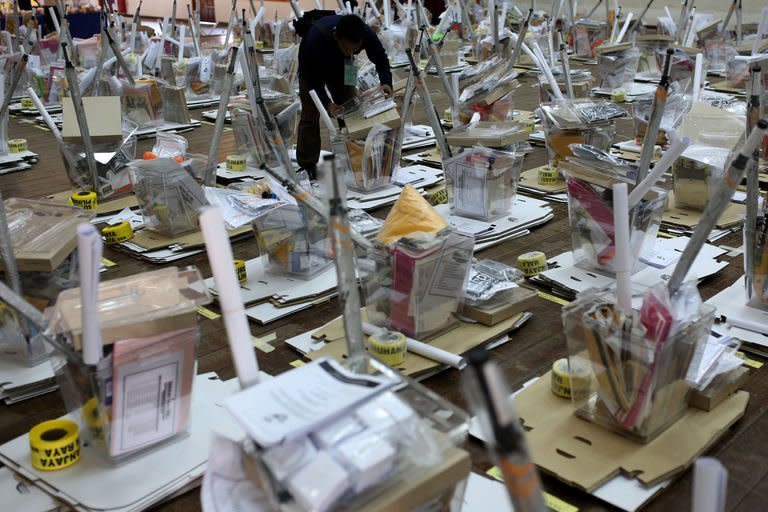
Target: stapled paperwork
22	497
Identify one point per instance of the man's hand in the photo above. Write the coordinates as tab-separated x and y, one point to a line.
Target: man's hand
387	90
334	110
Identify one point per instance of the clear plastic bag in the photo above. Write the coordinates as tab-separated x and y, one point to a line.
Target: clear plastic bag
168	195
169	145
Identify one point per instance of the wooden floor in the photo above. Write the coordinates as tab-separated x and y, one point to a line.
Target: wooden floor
530	352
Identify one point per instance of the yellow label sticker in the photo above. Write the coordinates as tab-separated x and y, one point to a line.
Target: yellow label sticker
552	502
262	344
207	313
108	263
662	234
297	363
553	298
495	472
749	362
558	505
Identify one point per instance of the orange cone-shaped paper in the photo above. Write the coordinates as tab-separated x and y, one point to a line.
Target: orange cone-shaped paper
410	214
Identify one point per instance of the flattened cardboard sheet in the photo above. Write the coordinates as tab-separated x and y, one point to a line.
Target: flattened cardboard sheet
530	179
586	455
150	240
459	340
358	126
42	244
103	207
732	216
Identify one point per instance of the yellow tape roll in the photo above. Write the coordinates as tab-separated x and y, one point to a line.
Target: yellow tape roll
17	145
27	103
54	444
548	176
532	263
566	383
236	163
85	200
619	95
390	347
242	275
118	233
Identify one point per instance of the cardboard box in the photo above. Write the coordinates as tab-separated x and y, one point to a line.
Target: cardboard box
521	300
721	388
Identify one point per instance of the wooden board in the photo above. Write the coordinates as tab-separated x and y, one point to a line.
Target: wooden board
48	235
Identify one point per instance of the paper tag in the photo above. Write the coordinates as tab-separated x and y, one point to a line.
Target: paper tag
662	258
297	363
350	75
33	62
